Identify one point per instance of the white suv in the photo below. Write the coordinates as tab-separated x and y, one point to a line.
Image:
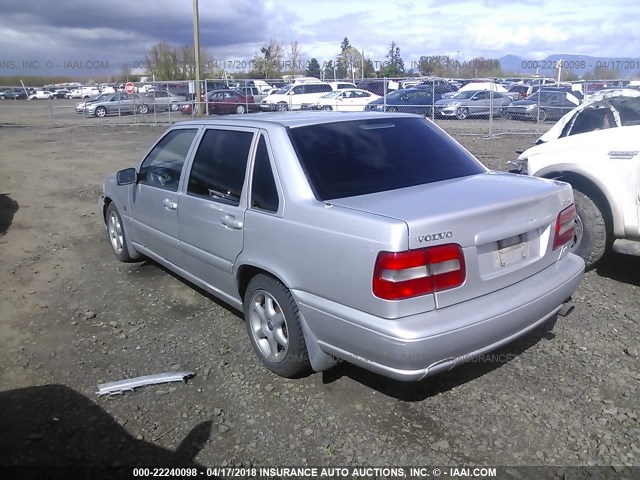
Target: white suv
296	96
603	167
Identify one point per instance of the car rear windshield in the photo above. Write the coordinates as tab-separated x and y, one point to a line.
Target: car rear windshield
346	159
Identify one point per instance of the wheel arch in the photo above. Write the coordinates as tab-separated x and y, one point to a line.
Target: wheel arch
320	360
596	191
247	272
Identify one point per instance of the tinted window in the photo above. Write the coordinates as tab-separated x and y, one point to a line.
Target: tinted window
163	165
264	194
219	166
345	159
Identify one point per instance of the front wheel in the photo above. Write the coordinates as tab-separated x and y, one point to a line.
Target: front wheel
101	112
143	109
273	325
117	237
542	115
591	237
392	109
282	107
174	107
462	113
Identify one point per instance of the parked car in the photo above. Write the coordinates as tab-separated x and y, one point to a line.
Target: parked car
489	86
603	168
347	100
41	95
118	103
222	102
473	103
60	93
13	94
521	91
292	97
408	100
253	92
230	101
605	109
342	85
80	106
542	106
437	86
397	250
162	100
379	87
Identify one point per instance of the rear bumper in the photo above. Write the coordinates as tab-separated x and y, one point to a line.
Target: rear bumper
414	347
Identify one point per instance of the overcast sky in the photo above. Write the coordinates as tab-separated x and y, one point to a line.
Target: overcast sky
121	32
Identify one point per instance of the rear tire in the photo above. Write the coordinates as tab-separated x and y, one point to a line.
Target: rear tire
591	238
273	325
392	109
240	109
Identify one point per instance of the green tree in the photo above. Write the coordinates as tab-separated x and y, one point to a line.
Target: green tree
268	63
313	68
395	65
165	62
369	69
329	71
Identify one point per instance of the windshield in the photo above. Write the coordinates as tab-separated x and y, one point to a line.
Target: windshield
332	94
103	97
282	90
346	159
462	95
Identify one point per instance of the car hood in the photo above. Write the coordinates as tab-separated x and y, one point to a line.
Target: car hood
602	99
615	141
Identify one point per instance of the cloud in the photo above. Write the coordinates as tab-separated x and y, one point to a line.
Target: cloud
123	31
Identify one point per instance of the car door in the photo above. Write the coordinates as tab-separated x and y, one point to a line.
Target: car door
479	103
155	197
211	215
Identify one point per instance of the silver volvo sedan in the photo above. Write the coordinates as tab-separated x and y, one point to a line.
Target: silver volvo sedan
373	238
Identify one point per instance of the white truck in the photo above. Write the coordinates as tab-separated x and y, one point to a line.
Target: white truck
603	167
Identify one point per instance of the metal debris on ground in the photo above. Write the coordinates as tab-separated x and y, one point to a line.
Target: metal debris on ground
121	386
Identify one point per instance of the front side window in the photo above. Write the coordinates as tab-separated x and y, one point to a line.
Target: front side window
163	164
220	165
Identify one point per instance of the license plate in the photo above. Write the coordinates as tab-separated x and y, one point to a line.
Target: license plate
512	250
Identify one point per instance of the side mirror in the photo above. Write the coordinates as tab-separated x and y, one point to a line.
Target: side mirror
127	176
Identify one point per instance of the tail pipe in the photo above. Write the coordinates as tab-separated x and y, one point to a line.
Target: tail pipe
566	308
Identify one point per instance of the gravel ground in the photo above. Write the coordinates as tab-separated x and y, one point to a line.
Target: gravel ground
71	317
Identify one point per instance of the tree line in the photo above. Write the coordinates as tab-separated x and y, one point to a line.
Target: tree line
275	59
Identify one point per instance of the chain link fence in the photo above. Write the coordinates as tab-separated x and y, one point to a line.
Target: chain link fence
493	111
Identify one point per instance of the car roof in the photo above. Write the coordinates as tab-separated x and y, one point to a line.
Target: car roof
294	119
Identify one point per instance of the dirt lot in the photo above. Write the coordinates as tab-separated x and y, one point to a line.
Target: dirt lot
71	317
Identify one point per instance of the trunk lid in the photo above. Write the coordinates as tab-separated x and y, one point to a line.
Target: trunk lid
504	223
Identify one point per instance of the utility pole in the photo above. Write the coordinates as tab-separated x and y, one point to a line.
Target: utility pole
196	53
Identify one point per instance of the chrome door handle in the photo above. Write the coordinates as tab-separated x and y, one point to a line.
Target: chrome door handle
169	205
231	222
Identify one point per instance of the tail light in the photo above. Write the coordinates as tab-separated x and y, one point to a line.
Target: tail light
565	227
400	275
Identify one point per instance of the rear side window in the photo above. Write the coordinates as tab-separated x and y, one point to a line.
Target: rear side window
345	159
264	194
219	166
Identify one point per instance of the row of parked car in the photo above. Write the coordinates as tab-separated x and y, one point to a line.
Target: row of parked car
429	98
